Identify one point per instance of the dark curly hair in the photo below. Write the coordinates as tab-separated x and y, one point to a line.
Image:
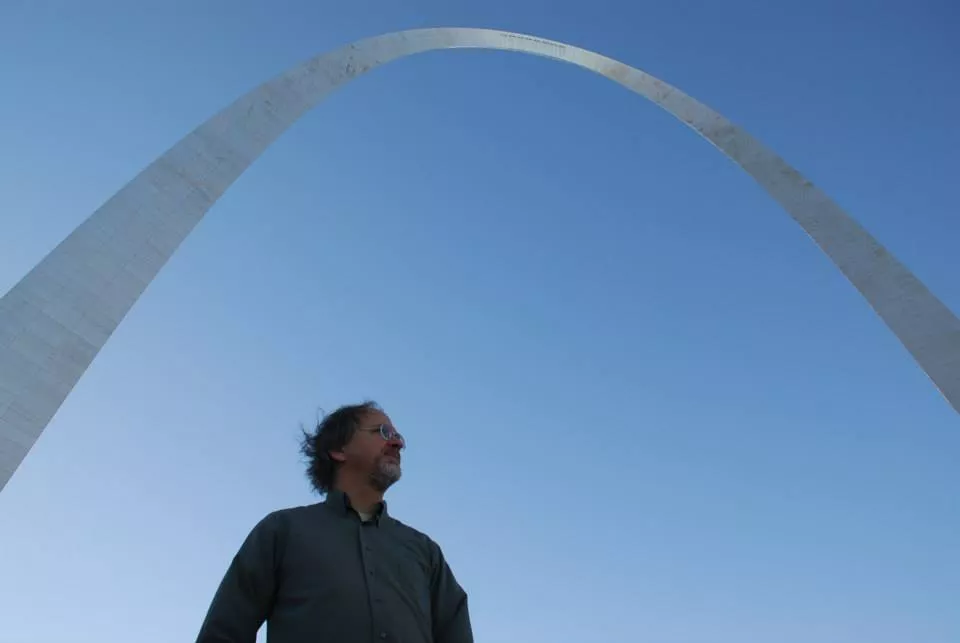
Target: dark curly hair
333	431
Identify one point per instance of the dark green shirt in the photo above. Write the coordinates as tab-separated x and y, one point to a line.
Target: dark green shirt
318	574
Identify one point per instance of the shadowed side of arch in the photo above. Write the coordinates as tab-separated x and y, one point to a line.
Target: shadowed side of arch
58	317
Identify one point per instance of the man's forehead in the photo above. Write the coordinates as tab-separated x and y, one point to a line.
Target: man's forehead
376	416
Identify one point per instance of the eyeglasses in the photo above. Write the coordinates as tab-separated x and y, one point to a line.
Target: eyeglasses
387	432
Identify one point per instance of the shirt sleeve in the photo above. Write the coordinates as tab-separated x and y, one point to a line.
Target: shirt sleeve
246	594
451	617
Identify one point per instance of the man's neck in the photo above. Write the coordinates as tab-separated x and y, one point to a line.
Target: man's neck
363	498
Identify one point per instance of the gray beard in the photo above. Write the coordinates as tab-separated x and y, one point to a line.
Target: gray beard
385	474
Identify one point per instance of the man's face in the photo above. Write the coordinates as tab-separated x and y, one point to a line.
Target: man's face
369	454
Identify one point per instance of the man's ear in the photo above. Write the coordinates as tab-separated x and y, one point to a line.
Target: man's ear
337	456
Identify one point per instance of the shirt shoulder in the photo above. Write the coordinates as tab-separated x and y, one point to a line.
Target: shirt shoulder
416	536
288	528
410	531
293	516
282	521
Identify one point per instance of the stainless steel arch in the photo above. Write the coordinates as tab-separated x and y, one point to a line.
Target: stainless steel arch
56	319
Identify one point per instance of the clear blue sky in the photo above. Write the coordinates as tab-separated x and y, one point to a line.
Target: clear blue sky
641	404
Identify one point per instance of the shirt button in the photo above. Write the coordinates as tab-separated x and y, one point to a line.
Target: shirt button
383	635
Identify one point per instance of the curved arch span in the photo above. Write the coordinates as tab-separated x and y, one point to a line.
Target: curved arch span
56	319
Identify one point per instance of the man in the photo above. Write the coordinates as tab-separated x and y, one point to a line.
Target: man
344	570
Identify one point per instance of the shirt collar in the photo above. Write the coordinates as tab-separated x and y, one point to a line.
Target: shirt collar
339	502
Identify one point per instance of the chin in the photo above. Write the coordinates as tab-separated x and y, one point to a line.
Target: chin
392	472
386	475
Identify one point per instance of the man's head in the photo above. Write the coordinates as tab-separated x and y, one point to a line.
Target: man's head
357	442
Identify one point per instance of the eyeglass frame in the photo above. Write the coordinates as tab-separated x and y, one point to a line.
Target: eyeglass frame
387	432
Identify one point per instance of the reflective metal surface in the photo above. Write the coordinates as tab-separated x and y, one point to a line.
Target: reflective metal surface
56	319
